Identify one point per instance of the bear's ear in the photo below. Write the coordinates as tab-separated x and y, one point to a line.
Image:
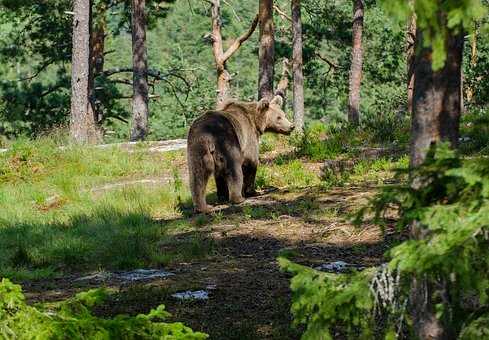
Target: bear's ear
277	100
263	104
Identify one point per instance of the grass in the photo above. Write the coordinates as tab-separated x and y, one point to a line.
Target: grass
52	221
59	216
63	212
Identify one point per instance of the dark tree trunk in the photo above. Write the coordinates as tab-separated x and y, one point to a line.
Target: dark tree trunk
410	56
356	63
436	115
97	57
83	128
298	102
266	50
437	99
140	109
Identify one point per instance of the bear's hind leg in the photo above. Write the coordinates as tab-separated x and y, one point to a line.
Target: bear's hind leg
199	176
249	175
222	188
234	180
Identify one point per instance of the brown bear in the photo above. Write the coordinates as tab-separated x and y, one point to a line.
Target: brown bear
225	143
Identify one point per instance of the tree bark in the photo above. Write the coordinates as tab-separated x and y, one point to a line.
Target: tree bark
298	101
410	56
356	63
97	57
437	98
220	56
473	60
83	128
283	83
140	98
436	115
266	53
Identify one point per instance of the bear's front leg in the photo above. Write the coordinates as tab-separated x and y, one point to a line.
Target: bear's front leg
234	180
249	175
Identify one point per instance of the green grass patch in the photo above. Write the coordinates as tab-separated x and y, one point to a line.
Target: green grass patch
290	174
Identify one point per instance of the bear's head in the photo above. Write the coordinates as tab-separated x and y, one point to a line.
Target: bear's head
271	117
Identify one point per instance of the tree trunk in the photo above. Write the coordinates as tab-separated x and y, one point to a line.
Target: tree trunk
298	102
97	57
473	61
221	57
437	98
356	63
82	121
266	53
436	115
140	109
410	54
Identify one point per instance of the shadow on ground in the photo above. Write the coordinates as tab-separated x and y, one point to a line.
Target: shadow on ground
232	254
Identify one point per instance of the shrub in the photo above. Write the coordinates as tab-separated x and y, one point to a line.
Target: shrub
450	203
72	319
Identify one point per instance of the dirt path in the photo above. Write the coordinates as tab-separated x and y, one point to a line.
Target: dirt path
249	297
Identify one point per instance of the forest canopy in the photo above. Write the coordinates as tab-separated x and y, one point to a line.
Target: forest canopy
35	57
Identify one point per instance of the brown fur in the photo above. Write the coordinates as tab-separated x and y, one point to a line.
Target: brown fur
224	143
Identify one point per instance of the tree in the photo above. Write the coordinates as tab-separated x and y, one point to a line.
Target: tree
83	121
356	63
298	83
266	53
410	57
436	116
220	57
140	99
97	52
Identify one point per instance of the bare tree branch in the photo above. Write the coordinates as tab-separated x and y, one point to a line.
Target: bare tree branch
282	13
238	42
327	60
234	11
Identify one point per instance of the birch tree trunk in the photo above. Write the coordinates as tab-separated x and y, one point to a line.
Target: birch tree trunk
356	63
83	127
266	53
298	77
140	109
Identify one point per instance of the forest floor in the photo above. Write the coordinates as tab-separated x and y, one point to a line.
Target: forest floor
231	255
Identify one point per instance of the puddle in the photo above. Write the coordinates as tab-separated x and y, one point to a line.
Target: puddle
192	295
143	274
129	276
338	267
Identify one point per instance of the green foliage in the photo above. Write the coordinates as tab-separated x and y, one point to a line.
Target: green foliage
437	18
73	319
328	141
291	173
448	202
326	303
475	132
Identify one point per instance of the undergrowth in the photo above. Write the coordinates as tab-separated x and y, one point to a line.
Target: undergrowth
450	203
73	319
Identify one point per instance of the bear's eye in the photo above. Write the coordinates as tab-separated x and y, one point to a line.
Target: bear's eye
279	118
